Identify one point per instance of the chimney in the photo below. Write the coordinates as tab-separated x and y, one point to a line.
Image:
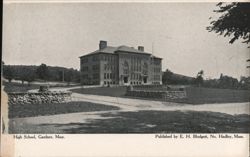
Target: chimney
103	44
140	48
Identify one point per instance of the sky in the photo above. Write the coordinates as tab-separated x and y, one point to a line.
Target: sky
57	34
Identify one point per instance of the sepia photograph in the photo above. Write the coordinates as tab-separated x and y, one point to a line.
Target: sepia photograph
126	68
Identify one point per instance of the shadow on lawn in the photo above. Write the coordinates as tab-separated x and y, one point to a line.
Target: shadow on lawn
33	110
162	122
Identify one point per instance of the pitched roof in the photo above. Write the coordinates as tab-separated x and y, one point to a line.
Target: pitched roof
129	49
108	49
123	48
112	50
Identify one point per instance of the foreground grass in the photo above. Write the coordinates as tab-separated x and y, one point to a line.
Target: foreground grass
166	122
148	122
32	110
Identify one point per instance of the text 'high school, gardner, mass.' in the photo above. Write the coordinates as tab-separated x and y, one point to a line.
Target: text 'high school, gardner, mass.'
120	65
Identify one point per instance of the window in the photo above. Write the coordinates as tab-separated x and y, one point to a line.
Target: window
145	69
156	77
157	61
95	58
125	67
95	76
84	60
95	67
105	75
125	71
85	68
85	76
157	70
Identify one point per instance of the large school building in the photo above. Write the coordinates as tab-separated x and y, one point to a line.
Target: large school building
120	65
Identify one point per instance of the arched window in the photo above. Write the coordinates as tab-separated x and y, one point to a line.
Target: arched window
145	68
125	67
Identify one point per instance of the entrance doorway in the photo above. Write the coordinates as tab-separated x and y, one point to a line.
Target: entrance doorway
144	79
125	79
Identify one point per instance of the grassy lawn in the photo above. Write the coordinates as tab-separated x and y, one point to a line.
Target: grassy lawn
212	95
161	122
195	95
18	87
105	91
32	110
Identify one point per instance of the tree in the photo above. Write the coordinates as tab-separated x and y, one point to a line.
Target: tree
31	78
227	82
43	72
245	83
199	78
68	75
27	74
234	21
166	77
8	73
24	74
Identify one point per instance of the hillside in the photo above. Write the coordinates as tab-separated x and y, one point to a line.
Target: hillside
30	73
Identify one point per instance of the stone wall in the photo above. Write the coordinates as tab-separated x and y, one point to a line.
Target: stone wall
38	97
172	95
163	95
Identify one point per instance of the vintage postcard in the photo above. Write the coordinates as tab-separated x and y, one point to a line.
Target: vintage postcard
125	79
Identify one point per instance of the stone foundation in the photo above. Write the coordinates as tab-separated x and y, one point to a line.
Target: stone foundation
38	97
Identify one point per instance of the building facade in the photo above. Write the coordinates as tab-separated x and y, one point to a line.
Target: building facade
121	65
